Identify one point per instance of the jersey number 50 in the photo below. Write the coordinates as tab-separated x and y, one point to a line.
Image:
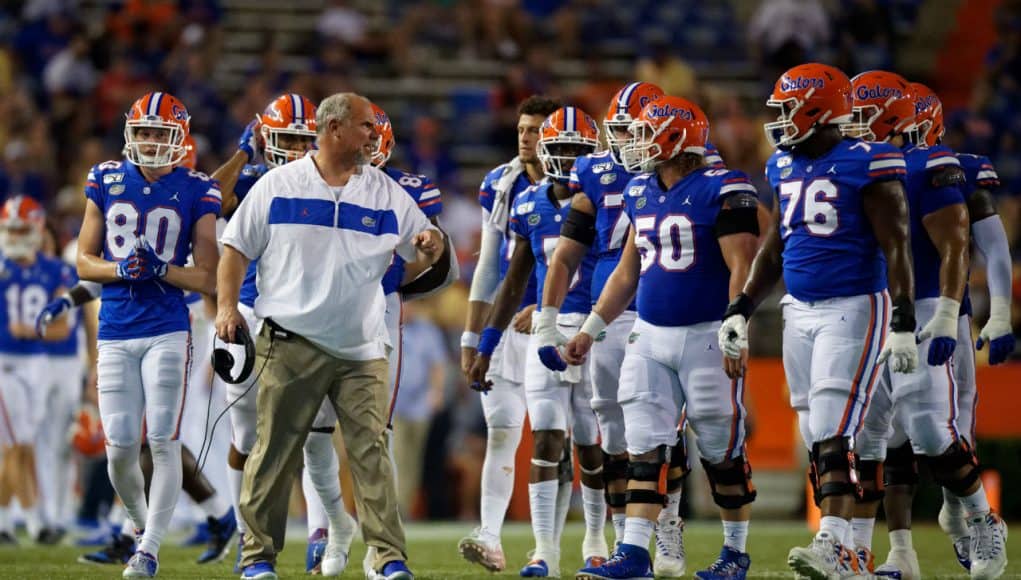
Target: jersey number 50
160	225
671	242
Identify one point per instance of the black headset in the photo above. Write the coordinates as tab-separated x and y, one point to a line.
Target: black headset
223	360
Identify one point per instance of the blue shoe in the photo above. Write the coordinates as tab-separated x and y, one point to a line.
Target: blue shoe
259	571
237	560
221	532
118	551
535	569
98	537
396	570
141	565
730	564
316	548
628	563
200	537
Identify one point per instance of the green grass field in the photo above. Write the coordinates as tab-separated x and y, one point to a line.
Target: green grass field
433	555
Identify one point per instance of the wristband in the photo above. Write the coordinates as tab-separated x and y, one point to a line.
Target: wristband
999	307
547	317
593	325
488	340
469	339
903	317
742	305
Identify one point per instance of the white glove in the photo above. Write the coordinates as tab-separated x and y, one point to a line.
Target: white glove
733	336
999	319
902	349
943	323
546	330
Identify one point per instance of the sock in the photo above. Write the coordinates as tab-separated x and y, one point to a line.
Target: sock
5	520
848	540
234	483
322	470
315	511
673	505
498	477
126	477
167	475
618	526
128	528
956	526
595	509
564	491
215	507
861	529
836	526
735	535
976	503
542	499
638	532
900	540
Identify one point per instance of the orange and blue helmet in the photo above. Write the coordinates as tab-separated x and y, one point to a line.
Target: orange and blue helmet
625	107
289	117
928	127
155	131
808	96
385	135
22	220
884	106
564	136
663	130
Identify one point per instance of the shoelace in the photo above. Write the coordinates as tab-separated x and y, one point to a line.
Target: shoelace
670	541
988	540
721	566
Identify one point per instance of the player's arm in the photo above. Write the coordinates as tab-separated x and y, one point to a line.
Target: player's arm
991	241
485	281
90	264
80	294
767	267
948	229
59	329
228	173
737	232
202	276
420	278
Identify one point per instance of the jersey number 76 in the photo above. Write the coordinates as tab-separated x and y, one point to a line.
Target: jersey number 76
817	210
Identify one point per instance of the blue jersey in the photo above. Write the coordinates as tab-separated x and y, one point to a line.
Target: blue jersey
713	158
829	248
164	211
537	217
68	346
249	175
925	198
684	278
427	196
602	181
487	195
26	290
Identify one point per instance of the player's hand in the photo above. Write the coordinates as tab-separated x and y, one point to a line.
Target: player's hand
468	355
902	351
522	321
51	312
430	243
249	140
577	348
131	269
550	339
477	375
942	329
733	337
735	367
997	332
227	322
153	266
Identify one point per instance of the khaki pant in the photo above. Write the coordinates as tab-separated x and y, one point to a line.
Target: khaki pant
409	442
296	377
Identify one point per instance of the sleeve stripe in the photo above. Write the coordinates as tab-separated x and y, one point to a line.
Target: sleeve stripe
736	180
895	171
430	202
734	187
210	199
893	155
935	154
887	163
987	174
483	193
91	184
429	195
941	161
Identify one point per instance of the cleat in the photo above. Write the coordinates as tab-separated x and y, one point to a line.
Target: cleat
200	537
988	546
335	557
957	529
237	559
396	570
595	561
670	559
594	548
823	559
118	551
866	560
477	549
628	563
259	571
535	569
730	564
221	532
141	565
316	548
900	565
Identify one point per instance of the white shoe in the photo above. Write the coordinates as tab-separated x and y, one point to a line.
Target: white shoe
823	559
594	546
669	561
988	546
141	565
480	548
902	564
957	528
338	547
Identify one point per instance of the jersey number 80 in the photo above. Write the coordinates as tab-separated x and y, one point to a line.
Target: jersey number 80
160	225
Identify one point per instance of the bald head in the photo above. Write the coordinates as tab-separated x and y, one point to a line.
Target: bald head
345	127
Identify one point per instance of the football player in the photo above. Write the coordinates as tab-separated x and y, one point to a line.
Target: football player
843	233
504	404
284	132
692	237
28	279
556	401
143	217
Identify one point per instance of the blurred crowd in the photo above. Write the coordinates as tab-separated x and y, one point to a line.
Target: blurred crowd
67	77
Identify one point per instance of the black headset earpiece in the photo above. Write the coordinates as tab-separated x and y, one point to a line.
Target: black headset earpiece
223	360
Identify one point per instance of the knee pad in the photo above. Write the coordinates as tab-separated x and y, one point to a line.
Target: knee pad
614	470
678	460
956	469
900	467
547	416
733	472
647	471
834	455
122	430
870	475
